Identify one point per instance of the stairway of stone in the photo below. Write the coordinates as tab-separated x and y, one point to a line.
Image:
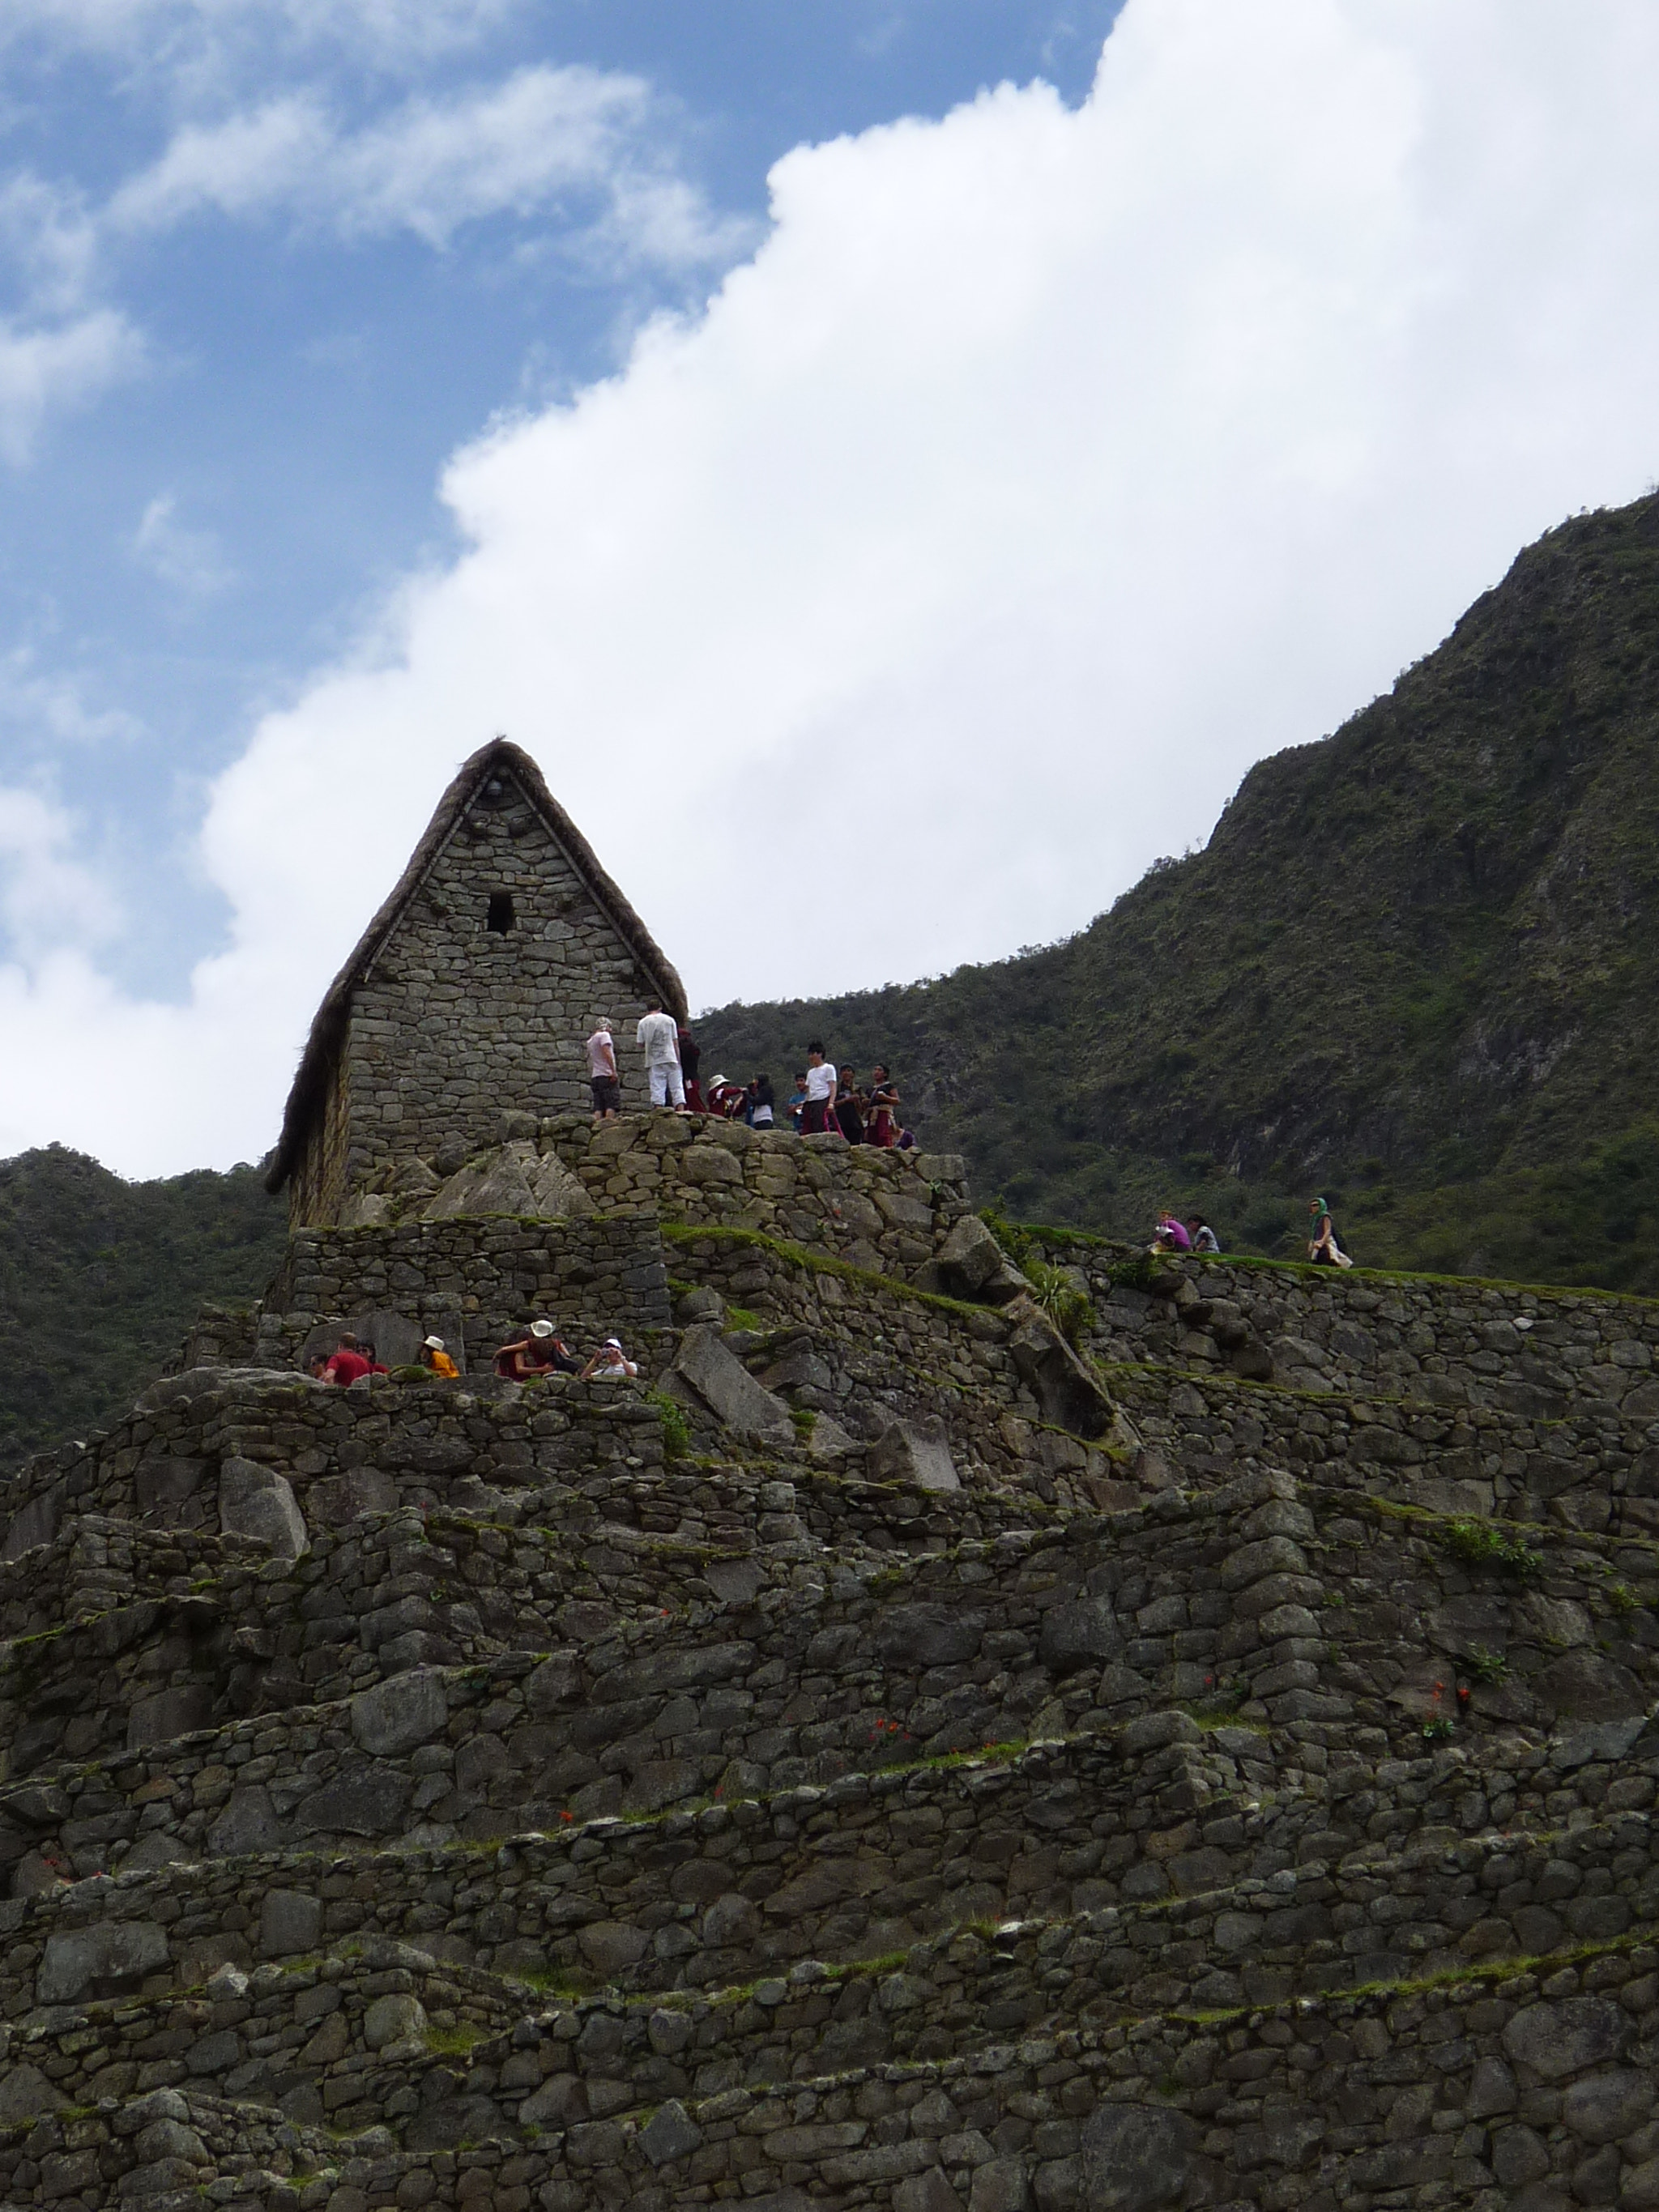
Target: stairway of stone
574	1795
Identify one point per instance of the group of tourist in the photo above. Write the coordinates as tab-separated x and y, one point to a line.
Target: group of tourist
1172	1234
537	1351
825	1100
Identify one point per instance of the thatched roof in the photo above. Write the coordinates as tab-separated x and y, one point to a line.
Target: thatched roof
328	1030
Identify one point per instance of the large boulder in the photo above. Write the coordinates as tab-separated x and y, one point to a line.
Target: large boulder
731	1393
256	1501
35	1524
971	1264
513	1178
494	1182
1069	1393
916	1452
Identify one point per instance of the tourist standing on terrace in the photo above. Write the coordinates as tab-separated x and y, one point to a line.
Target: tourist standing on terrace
882	1127
602	1077
659	1033
817	1115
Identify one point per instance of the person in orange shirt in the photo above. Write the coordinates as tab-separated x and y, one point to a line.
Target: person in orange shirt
437	1361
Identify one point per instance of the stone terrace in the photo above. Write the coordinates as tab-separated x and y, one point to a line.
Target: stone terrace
872	1761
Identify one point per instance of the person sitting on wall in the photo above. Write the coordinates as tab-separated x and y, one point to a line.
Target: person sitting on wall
373	1358
760	1103
317	1367
1204	1237
348	1365
610	1364
1171	1234
540	1351
436	1359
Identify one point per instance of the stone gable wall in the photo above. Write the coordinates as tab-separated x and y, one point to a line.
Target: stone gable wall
456	1023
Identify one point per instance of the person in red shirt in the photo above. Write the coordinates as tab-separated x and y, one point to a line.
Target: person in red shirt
347	1364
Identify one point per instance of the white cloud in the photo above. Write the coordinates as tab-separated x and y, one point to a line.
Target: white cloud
190	561
49	368
49	901
198	36
54	705
438	163
1042	470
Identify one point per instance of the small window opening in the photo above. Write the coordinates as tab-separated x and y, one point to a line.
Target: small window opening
500	916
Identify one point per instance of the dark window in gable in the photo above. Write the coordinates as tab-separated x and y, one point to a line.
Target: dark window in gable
500	916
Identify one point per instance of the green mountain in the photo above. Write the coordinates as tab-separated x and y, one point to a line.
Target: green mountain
1416	970
99	1278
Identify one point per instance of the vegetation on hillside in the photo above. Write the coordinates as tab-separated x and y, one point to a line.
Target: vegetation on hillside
99	1278
1414	969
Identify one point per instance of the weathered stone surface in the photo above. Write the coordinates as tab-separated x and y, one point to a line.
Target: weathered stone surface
290	1921
728	1389
1554	2040
395	1716
170	1713
389	2018
670	2134
97	1961
25	2094
1137	2157
258	1501
367	1801
917	1452
35	1524
1080	1634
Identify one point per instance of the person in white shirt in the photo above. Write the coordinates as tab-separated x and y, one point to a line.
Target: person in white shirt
610	1364
602	1072
816	1115
659	1033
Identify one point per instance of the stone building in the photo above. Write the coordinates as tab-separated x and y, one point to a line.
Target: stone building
469	995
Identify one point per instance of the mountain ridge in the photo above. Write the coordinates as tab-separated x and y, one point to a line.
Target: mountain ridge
1414	960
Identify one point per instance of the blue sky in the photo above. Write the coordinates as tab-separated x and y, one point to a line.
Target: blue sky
894	467
257	458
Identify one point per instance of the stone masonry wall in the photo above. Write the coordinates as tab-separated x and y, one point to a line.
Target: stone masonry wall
1528	1350
1518	2091
475	1280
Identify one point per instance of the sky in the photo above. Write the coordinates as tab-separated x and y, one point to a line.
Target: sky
895	465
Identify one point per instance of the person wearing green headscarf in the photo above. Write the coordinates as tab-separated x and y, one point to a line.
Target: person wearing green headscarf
1323	1247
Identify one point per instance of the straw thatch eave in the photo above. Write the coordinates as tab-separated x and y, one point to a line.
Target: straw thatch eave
308	1097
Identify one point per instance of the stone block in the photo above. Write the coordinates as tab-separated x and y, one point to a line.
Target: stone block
390	2019
257	1502
1137	2158
1559	2040
730	1392
1083	1633
169	1713
917	1452
110	1959
670	2134
290	1923
34	1524
161	1485
397	1715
